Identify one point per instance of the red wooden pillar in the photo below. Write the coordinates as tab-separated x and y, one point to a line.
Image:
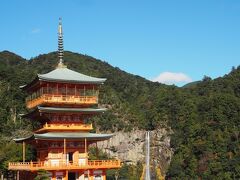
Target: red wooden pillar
64	148
96	150
24	151
104	174
66	175
47	88
75	90
85	145
54	175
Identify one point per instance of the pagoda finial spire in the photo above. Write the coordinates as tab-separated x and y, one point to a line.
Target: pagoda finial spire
60	44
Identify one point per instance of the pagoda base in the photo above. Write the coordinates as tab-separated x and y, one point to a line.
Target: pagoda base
92	170
67	175
62	166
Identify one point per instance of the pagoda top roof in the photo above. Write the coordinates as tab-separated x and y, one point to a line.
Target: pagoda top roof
66	135
63	74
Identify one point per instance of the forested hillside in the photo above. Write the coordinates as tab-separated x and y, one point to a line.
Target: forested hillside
204	117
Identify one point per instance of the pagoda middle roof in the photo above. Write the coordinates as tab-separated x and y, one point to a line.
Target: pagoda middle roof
67	75
65	135
41	109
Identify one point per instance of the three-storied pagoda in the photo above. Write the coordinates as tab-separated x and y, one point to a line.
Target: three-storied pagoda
61	100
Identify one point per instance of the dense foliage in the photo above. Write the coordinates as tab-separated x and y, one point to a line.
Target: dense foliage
204	116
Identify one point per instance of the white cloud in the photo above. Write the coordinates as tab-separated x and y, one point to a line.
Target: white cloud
35	31
172	78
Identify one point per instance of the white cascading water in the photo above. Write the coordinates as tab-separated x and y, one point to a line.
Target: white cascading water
147	173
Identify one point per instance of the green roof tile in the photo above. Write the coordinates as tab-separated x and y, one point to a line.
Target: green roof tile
61	109
64	74
66	135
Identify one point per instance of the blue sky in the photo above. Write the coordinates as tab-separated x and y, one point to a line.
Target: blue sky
171	41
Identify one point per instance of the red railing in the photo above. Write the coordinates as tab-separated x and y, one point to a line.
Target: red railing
60	99
66	127
34	166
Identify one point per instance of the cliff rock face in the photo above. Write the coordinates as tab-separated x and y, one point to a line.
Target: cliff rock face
130	147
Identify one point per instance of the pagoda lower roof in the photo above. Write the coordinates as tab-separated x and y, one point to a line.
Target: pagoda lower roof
67	136
66	109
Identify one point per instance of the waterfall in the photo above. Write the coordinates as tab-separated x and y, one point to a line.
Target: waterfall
147	172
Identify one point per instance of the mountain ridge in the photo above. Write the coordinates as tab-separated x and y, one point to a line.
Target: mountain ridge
204	118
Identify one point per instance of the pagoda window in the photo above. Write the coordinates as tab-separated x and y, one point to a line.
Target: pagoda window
76	118
71	91
81	92
88	93
50	90
70	144
79	144
60	145
66	118
37	93
62	90
76	144
45	145
75	90
60	118
34	95
41	90
47	88
44	90
54	145
55	118
57	89
66	86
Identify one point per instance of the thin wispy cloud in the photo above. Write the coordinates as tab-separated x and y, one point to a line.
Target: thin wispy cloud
172	78
35	31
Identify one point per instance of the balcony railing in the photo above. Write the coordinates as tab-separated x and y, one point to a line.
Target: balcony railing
61	99
34	166
66	127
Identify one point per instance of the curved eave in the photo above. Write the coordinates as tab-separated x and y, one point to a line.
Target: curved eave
77	110
20	140
23	86
72	135
40	109
27	86
67	136
30	114
30	84
71	81
65	75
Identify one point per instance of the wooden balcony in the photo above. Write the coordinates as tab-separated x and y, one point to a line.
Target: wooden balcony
66	127
61	99
34	166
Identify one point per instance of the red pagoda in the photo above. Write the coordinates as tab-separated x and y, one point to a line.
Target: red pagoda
61	101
